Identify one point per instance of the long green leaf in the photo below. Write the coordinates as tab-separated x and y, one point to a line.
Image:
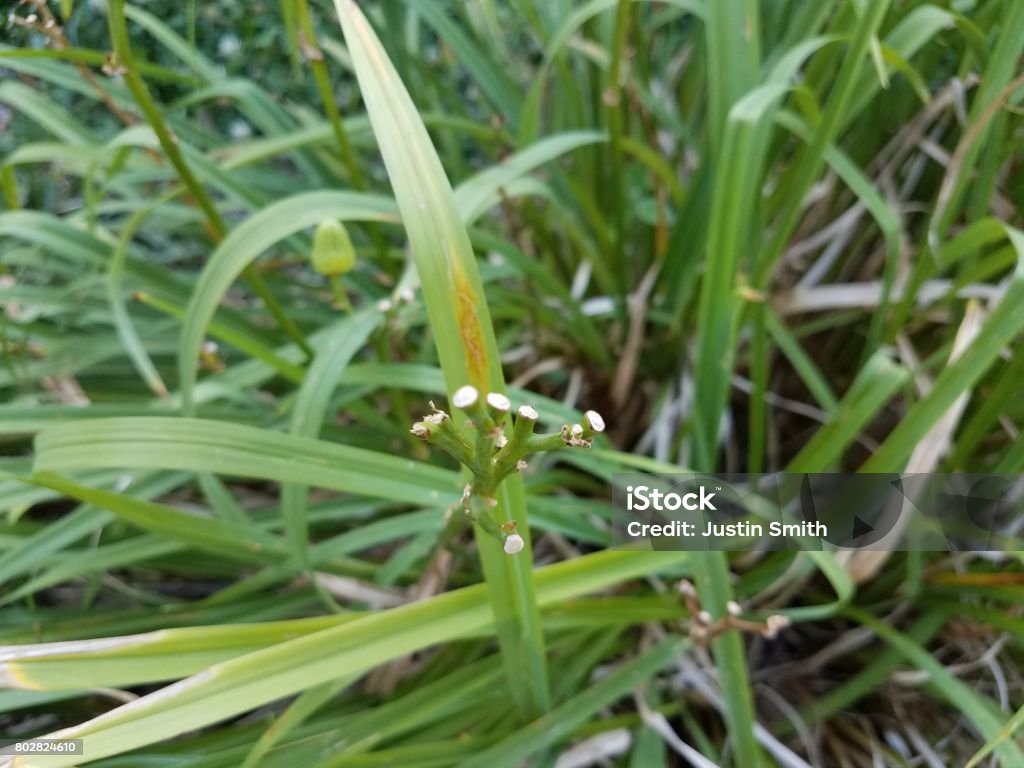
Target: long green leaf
246	682
202	445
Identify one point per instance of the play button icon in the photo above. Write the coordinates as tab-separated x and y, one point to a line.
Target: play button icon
860	528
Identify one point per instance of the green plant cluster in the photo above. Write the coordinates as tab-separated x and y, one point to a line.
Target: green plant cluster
243	245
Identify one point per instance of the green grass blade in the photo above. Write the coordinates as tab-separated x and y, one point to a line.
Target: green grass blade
740	156
47	114
126	330
175	45
1002	67
475	195
733	50
1002	326
554	727
978	709
355	647
203	445
841	96
304	707
153	657
804	365
493	81
221	537
878	381
310	410
81	522
1014	724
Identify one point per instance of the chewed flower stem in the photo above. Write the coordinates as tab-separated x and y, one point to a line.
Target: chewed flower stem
491	455
704	627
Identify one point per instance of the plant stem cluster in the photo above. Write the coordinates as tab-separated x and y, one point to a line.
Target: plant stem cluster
491	455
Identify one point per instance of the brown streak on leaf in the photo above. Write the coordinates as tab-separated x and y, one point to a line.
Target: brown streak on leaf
469	329
979	579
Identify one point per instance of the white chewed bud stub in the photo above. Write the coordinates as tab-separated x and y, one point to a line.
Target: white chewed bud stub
407	295
465	397
210	347
501	442
499	402
436	417
528	412
574	436
420	431
594	420
733	608
521	465
384	305
704	617
514	544
774	624
686	588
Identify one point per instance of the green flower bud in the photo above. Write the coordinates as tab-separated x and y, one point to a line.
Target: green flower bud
333	253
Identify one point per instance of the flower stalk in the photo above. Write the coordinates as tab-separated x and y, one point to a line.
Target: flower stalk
494	455
333	256
704	627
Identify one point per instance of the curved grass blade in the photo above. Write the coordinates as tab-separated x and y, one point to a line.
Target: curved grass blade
202	445
475	195
43	111
247	242
188	54
1002	68
125	328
